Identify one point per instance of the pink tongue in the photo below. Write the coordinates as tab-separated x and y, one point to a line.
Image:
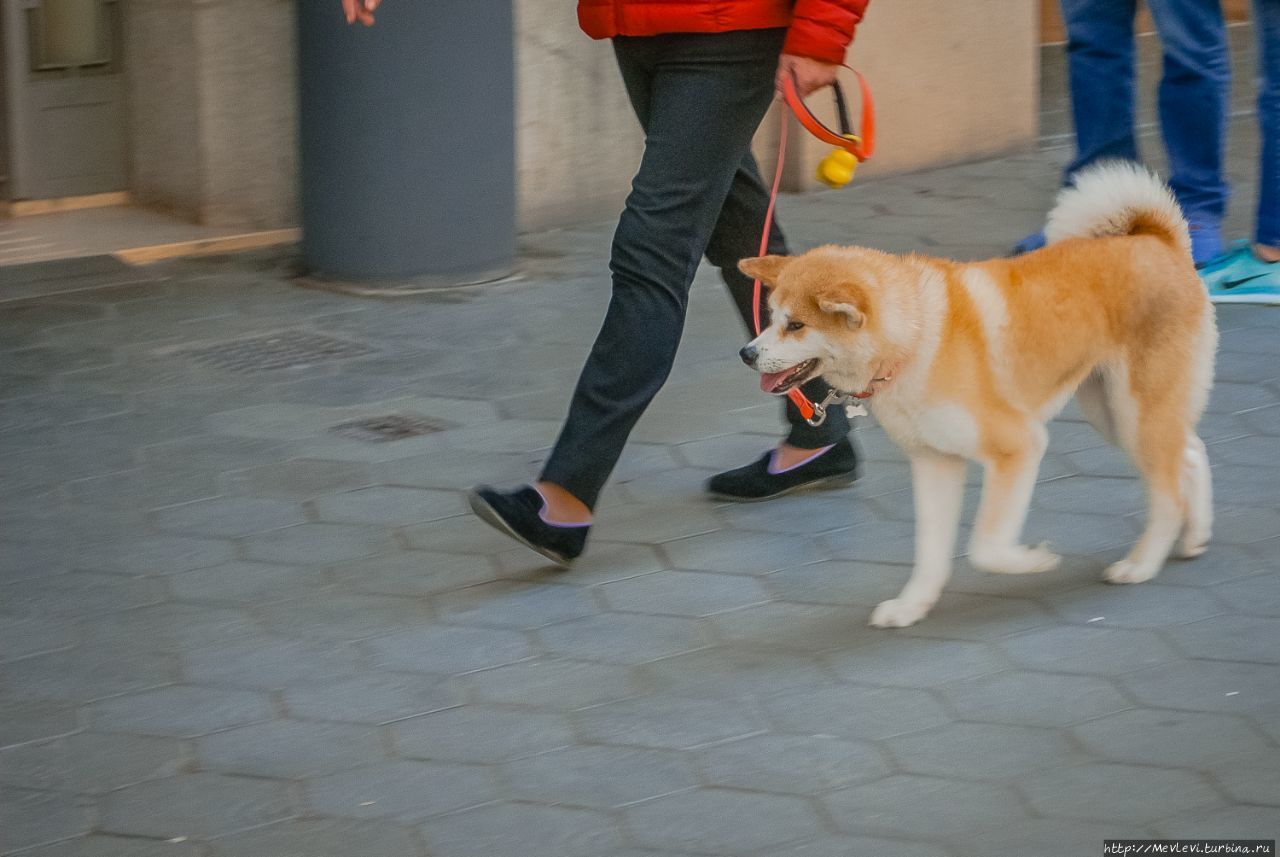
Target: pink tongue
770	380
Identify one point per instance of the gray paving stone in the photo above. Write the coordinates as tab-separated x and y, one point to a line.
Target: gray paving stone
562	685
286	749
99	845
155	555
91	762
1250	779
731	671
605	562
655	524
448	649
938	808
270	663
1245	525
807	514
958	616
1170	738
405	790
1258	594
229	516
667	722
307	544
893	659
1237	822
683	593
78	594
31	818
320	837
247	583
1066	838
737	552
1232	688
717	821
414	572
505	604
81	675
598	777
389	506
180	711
1238	638
860	584
1124	794
1033	699
522	830
856	846
480	734
798	627
622	638
26	720
465	535
343	616
165	629
23	637
179	806
794	764
301	478
1221	564
141	488
376	698
1135	606
981	751
1092	649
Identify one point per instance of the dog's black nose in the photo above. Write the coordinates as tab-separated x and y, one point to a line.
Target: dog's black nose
749	354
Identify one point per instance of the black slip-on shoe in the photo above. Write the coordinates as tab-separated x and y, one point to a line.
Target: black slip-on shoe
835	468
518	514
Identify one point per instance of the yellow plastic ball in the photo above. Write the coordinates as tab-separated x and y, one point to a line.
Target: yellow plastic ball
837	168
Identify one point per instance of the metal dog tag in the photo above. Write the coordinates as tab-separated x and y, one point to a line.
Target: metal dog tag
852	410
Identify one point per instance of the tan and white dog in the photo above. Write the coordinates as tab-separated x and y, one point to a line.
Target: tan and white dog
970	360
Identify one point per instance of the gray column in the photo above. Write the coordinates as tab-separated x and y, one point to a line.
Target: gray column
407	140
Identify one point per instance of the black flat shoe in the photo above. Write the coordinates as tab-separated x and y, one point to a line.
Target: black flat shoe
835	468
518	514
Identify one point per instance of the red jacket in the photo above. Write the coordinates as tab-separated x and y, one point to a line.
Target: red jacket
820	29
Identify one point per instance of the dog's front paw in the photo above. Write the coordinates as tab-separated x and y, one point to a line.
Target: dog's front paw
1128	571
1014	559
898	613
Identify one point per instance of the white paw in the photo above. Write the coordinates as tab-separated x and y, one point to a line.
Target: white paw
1017	559
1190	550
898	613
1128	571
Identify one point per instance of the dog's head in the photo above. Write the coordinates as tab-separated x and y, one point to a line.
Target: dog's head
830	315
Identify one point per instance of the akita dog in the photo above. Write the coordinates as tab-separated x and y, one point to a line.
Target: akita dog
970	360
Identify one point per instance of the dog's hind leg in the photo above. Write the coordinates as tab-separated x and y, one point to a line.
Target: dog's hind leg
1199	493
937	483
1009	477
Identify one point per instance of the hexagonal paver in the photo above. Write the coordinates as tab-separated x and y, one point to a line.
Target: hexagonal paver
376	699
179	806
893	659
1237	822
683	593
290	750
855	712
65	595
246	583
91	762
320	837
736	552
1210	686
1033	699
1258	594
23	637
505	604
803	514
343	616
622	638
449	649
1029	837
100	845
661	721
1241	638
1121	793
1165	738
302	478
31	818
939	808
229	516
84	674
795	764
800	627
1250	779
981	751
406	790
414	573
718	821
861	584
307	544
957	616
727	671
270	662
655	524
522	830
23	720
155	555
1087	649
389	506
480	734
598	777
559	684
1135	606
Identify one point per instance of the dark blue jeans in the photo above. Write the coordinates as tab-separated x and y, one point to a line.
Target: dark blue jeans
699	98
1193	96
1266	23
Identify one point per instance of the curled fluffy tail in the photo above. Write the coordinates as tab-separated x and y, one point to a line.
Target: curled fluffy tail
1117	198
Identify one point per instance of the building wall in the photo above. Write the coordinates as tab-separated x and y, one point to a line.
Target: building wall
214	126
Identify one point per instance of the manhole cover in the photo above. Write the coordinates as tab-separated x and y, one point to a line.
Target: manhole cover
287	349
389	427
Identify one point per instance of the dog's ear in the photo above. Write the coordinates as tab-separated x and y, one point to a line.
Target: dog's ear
852	316
764	268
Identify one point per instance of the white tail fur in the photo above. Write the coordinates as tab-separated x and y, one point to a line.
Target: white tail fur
1117	198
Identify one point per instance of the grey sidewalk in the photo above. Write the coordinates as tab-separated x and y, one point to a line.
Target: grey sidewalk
236	624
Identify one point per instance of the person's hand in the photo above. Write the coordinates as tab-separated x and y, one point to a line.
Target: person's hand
809	74
360	10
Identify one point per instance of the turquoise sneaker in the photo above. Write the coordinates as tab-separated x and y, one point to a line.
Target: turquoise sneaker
1239	277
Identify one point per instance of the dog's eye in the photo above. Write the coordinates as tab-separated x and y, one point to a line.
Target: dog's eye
793	326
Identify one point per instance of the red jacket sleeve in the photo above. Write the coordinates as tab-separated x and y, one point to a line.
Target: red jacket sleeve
823	29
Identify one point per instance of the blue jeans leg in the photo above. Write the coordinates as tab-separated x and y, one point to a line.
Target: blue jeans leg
1100	70
1266	22
1194	101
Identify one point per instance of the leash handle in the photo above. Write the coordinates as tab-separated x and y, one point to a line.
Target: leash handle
861	144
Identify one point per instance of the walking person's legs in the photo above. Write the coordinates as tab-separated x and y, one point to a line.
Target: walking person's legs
700	97
1194	100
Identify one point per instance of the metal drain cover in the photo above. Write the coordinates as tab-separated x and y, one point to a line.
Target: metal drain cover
287	349
389	427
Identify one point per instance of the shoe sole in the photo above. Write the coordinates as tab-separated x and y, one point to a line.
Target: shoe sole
490	516
827	483
1262	300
